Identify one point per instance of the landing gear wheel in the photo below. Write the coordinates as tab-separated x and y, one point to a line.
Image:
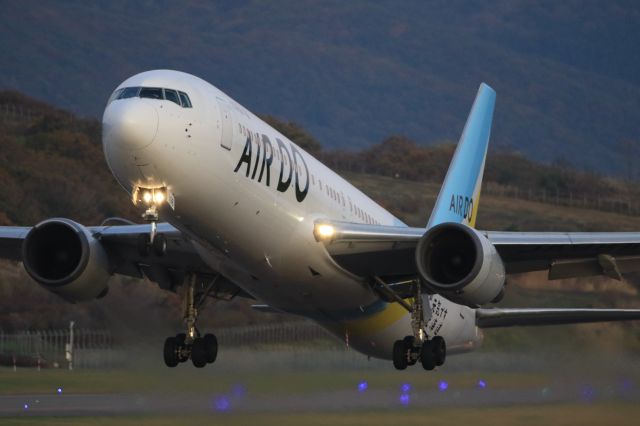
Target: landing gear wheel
439	350
427	356
171	352
144	245
400	355
160	245
211	347
199	353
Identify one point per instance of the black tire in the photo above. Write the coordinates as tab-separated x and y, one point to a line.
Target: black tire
399	355
211	347
144	244
170	352
439	350
159	244
427	356
198	353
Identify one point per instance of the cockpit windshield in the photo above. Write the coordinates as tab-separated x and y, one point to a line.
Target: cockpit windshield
179	98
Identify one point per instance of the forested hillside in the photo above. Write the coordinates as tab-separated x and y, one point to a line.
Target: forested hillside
355	72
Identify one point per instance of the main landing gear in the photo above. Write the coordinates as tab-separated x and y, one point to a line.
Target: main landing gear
431	352
202	350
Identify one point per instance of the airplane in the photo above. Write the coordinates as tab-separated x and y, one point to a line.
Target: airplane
232	208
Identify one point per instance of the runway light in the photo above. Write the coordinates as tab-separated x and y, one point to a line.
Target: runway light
60	390
222	404
26	406
238	391
443	386
363	386
405	399
406	387
324	231
588	394
482	384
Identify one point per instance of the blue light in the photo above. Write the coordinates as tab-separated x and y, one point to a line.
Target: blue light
363	386
222	404
482	384
406	387
60	390
239	391
26	406
405	399
443	386
588	393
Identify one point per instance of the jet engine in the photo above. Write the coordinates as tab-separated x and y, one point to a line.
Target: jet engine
461	264
65	258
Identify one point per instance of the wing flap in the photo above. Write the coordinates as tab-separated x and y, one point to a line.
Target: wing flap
489	318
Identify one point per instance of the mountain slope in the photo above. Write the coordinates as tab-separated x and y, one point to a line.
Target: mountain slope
353	73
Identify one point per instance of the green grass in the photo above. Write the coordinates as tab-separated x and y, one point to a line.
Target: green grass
560	414
188	379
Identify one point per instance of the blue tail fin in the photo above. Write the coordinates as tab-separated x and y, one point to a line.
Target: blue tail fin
460	193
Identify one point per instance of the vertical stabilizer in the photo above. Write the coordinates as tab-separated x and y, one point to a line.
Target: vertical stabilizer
460	193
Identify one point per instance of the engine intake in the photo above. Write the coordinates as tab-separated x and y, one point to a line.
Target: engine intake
63	257
459	263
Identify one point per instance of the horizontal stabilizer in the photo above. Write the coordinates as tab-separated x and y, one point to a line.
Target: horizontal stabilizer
487	318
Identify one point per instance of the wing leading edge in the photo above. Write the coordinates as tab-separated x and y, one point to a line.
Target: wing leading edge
121	245
370	250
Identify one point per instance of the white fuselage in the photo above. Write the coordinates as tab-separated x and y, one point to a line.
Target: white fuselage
248	198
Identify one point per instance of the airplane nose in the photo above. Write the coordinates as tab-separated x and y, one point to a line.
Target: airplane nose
129	124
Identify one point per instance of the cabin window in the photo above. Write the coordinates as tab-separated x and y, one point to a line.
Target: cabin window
171	95
115	95
186	102
129	92
151	93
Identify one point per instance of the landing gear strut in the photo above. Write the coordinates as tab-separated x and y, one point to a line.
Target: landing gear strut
431	352
202	350
153	240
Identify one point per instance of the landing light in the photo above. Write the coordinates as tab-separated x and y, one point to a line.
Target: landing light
152	197
324	232
158	197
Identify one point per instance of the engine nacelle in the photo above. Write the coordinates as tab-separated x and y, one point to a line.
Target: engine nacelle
63	257
459	263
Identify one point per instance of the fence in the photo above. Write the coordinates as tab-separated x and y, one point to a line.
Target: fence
622	205
47	348
98	348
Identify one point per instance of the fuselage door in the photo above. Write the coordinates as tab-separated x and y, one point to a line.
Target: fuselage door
226	139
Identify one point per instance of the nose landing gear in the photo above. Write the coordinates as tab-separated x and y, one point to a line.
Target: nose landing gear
153	198
202	350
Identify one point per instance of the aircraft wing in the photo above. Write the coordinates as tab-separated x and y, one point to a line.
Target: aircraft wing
389	251
488	318
121	245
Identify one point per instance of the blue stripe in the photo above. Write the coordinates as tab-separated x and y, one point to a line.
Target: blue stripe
466	167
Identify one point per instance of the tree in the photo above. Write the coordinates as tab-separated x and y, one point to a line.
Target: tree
296	133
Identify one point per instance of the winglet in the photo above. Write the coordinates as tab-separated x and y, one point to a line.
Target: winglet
459	196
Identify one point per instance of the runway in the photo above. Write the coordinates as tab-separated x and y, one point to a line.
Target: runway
240	400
